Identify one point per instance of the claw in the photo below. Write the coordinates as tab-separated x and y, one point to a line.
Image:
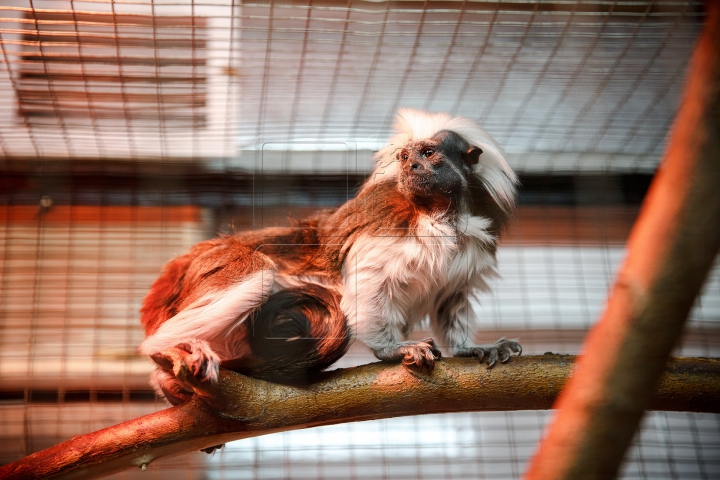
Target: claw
501	350
505	356
493	357
433	347
414	355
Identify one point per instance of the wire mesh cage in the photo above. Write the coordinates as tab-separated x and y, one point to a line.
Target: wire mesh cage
133	129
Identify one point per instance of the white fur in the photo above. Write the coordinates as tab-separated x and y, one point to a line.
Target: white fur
283	282
402	279
492	168
474	261
468	274
213	317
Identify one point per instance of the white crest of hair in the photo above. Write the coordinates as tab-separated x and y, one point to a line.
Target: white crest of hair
212	317
492	168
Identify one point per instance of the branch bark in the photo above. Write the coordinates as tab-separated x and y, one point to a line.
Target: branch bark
670	251
240	407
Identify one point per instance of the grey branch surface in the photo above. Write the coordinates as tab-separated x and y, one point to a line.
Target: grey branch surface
240	407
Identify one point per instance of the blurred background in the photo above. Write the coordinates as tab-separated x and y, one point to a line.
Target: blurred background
131	129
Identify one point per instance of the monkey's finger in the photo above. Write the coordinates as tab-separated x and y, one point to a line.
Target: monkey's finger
506	349
492	360
429	355
512	345
433	347
162	361
412	358
173	357
414	362
436	353
505	355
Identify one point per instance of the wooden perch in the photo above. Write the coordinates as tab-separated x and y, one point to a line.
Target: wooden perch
240	407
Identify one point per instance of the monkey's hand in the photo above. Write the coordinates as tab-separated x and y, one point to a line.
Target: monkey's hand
501	350
201	361
415	355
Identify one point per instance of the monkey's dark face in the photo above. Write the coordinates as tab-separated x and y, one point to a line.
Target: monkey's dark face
435	170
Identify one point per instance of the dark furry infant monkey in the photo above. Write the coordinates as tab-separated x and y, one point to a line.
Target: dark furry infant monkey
418	241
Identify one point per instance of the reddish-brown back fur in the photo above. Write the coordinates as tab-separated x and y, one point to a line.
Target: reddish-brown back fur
215	265
209	266
379	210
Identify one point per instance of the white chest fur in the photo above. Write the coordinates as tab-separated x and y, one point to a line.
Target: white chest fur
392	282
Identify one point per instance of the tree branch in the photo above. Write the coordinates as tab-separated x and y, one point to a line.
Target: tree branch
240	407
670	251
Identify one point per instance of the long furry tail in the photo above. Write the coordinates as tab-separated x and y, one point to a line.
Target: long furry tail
295	335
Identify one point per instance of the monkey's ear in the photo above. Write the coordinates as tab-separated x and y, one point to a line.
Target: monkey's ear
472	156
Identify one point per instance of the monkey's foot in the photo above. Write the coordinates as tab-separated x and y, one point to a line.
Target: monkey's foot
417	355
171	388
201	361
501	350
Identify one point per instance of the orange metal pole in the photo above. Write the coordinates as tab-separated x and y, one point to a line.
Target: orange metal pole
670	251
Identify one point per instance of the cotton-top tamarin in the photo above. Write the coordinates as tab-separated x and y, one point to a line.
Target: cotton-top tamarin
282	304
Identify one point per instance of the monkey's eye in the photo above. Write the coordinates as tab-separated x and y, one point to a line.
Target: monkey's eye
427	152
404	155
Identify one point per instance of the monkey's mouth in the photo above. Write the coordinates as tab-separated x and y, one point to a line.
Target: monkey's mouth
419	184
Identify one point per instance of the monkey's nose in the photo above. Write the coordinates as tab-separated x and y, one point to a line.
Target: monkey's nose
417	166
